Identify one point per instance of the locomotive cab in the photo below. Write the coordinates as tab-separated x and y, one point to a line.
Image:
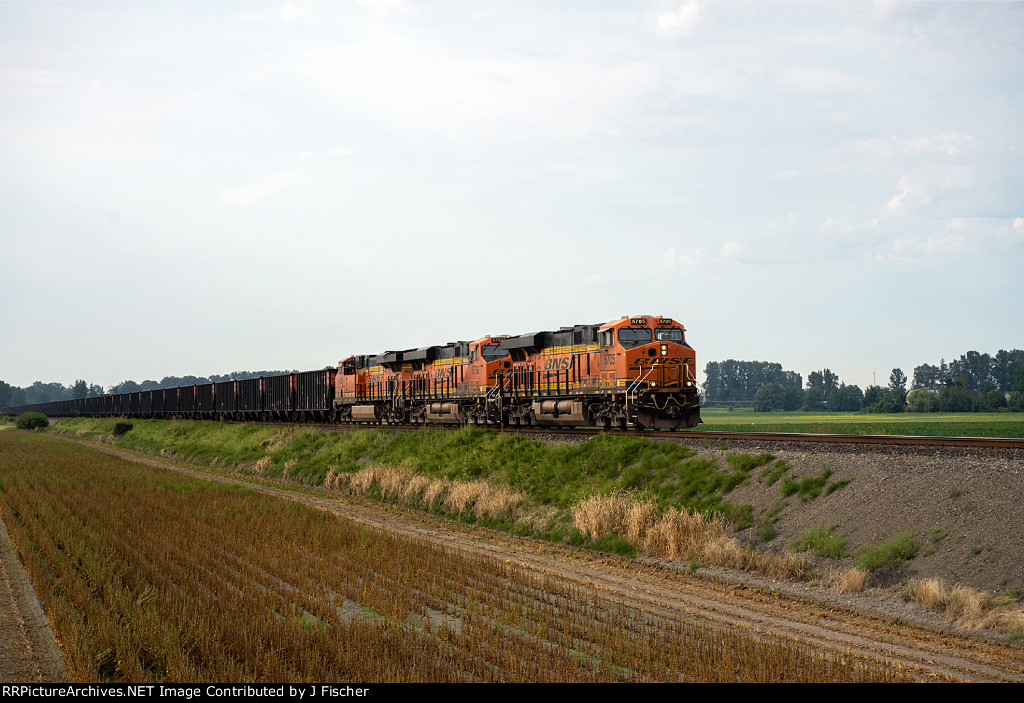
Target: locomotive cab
654	368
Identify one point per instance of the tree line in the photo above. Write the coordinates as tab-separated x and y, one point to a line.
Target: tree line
39	392
975	382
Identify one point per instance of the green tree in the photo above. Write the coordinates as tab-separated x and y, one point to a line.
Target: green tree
922	400
11	396
31	421
927	376
845	398
769	397
995	399
958	398
80	390
898	384
1018	380
814	399
1016	402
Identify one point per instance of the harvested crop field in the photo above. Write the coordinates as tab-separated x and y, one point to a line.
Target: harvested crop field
451	602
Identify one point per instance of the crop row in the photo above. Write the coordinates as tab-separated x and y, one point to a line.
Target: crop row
149	576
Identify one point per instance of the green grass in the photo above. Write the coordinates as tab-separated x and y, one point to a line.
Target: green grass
821	540
922	424
889	553
771	474
766	531
557	474
807	488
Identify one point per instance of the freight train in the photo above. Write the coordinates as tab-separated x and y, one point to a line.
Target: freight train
635	372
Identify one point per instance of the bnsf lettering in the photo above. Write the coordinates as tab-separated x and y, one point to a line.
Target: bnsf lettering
657	361
558	364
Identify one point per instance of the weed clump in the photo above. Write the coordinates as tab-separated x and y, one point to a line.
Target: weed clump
821	540
807	488
966	606
851	580
31	421
890	553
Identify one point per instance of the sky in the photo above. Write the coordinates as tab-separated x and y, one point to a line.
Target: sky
199	188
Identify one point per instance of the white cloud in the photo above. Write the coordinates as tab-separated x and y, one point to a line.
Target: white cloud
820	81
670	259
911	195
678	20
252	193
915	247
1012	231
948	143
958	177
381	8
290	12
832	224
961	237
731	249
418	86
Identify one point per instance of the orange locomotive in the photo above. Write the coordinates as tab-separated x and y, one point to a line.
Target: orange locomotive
633	372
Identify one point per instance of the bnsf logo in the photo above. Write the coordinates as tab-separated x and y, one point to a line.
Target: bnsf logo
558	364
656	361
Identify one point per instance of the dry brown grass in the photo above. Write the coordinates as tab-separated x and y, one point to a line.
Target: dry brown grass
966	606
415	489
540	518
393	482
850	580
263	464
484	499
681	534
479	498
272	444
639	518
288	466
435	492
335	480
620	513
360	483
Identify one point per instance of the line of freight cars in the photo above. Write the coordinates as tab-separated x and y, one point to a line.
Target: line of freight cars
306	396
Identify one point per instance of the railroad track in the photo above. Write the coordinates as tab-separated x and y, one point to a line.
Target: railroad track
904	440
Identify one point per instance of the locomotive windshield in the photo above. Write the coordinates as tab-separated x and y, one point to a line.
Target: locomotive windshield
631	336
668	335
493	351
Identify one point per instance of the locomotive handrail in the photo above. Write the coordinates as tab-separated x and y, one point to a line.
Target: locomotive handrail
630	391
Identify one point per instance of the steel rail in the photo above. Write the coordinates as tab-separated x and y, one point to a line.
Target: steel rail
920	440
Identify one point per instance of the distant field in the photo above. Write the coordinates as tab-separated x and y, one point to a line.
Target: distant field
930	424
